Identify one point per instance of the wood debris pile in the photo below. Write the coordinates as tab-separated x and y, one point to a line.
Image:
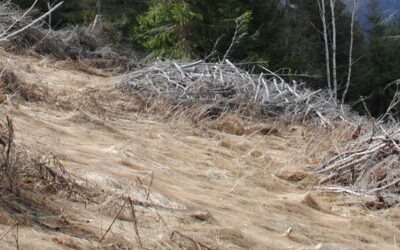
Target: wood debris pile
369	165
20	32
222	87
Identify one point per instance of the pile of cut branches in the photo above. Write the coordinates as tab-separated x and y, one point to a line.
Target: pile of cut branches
223	87
19	31
369	164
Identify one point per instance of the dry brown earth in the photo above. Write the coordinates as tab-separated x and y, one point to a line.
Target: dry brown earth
211	186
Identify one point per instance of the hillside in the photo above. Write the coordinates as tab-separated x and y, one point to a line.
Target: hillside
102	150
192	185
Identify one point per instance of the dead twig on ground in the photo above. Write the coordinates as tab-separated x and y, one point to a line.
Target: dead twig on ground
7	230
198	244
135	223
112	223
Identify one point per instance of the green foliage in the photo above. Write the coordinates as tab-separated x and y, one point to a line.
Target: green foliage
382	63
77	12
191	28
124	15
166	29
265	30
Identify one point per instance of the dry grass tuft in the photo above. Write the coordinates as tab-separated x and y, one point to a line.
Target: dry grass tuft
261	129
234	236
26	178
291	174
225	143
85	65
11	85
231	124
311	202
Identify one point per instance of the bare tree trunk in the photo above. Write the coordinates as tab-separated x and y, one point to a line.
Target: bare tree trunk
96	26
98	7
49	5
353	16
334	68
322	12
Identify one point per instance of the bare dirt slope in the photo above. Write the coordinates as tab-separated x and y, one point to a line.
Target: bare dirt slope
195	186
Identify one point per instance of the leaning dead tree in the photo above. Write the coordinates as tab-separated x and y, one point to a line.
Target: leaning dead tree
223	87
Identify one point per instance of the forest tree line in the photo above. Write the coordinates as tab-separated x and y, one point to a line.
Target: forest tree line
286	36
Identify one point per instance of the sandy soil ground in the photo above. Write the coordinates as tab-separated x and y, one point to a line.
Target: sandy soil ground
197	186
